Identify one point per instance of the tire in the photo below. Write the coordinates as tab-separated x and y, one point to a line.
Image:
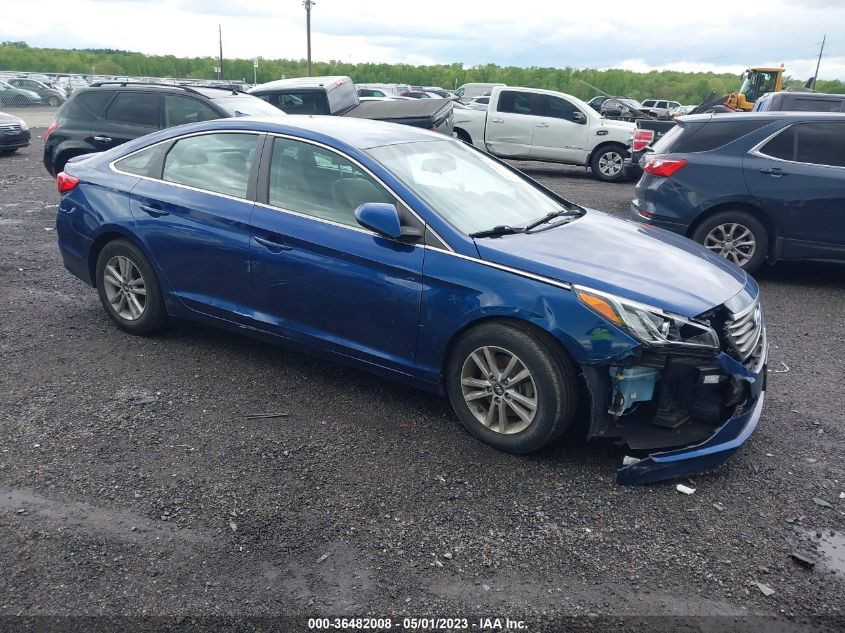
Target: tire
152	315
607	161
741	228
551	386
53	101
462	136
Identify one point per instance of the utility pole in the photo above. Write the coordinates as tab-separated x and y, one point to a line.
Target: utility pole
818	63
308	4
220	34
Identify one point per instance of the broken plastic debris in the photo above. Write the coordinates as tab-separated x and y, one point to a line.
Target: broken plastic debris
261	416
780	371
803	560
323	557
822	502
842	495
719	506
764	589
685	489
630	461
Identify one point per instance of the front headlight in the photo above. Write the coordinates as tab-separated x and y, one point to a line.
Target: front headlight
648	324
24	126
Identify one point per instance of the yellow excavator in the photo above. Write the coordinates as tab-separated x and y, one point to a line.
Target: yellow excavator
755	83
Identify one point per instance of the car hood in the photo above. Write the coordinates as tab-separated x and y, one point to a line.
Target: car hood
9	118
619	256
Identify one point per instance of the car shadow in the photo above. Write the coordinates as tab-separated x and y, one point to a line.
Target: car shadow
812	274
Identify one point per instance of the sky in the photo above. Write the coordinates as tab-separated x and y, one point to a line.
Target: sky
716	35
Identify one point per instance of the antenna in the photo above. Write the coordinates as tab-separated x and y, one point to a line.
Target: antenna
818	63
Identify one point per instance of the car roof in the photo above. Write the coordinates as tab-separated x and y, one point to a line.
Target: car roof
304	82
210	92
757	116
357	133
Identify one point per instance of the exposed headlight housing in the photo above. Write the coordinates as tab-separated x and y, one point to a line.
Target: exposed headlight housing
649	324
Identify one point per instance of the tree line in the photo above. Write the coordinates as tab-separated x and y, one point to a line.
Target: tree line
686	87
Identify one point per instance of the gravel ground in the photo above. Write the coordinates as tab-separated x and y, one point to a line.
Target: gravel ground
131	483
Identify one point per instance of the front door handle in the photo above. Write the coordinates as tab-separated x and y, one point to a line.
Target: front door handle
273	247
153	210
777	172
102	139
497	120
542	124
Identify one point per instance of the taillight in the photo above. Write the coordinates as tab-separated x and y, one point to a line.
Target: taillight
642	139
663	166
66	182
50	129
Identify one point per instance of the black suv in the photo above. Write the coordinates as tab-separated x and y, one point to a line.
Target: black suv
108	114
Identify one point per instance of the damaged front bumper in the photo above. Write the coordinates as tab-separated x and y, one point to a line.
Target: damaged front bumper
687	444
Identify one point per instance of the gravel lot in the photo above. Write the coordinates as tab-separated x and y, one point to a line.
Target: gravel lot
131	483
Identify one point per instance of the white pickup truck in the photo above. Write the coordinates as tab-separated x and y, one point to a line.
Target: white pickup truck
548	126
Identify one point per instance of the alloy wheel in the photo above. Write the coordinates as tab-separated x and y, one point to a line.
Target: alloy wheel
499	390
733	241
610	163
125	288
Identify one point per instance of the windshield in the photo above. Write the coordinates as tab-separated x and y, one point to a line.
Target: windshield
467	188
247	105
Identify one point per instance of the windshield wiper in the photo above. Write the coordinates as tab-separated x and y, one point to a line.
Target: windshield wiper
497	231
551	216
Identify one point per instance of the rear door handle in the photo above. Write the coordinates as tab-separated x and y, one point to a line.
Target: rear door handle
497	120
541	124
777	172
273	247
153	210
102	139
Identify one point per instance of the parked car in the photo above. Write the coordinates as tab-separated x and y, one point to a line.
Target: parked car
70	84
106	115
14	133
800	102
595	102
621	108
751	187
17	97
660	108
385	90
682	110
470	91
419	258
422	94
542	125
50	96
337	96
479	103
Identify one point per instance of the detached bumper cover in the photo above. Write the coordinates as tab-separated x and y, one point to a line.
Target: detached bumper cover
727	439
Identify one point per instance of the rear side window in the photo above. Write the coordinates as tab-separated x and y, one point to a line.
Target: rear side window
299	103
147	162
666	143
715	134
83	106
817	105
134	108
514	102
179	110
821	143
214	162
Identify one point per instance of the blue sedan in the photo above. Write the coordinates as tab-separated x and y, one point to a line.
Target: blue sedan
422	259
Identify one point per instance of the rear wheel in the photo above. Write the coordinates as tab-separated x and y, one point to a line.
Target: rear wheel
53	101
510	388
129	290
607	162
737	236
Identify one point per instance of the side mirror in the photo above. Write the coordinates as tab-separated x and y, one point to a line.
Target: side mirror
579	117
383	218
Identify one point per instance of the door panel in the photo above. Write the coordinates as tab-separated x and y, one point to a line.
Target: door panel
556	135
509	131
806	200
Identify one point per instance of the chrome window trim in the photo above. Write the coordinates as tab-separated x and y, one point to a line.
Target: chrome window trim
755	151
522	273
113	167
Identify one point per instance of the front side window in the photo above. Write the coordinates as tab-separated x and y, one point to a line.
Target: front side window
511	102
821	143
179	110
468	189
317	182
214	162
134	108
555	107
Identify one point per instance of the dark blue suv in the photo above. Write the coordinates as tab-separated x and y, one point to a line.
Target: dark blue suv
750	187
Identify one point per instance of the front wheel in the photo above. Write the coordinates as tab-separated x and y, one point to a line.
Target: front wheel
737	236
53	101
129	290
510	387
607	163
